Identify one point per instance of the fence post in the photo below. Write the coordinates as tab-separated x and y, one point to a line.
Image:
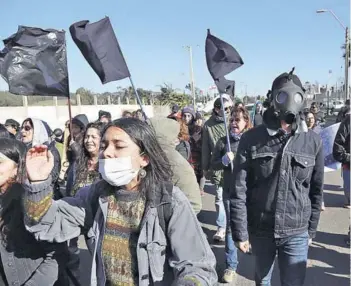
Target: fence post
25	101
78	99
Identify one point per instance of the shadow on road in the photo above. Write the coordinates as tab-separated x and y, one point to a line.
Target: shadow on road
331	239
334	200
85	267
207	217
328	187
337	264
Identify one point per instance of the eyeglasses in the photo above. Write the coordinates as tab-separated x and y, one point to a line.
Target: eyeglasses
26	128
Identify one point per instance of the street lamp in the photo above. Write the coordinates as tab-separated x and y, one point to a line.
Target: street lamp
192	82
347	48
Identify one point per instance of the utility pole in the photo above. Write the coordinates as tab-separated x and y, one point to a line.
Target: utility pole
347	49
192	82
347	53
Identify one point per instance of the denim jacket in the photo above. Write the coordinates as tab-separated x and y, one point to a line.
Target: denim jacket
277	185
190	260
35	264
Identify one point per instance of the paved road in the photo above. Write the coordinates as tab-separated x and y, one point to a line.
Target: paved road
329	259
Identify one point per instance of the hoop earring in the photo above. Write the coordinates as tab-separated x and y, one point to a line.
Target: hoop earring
142	173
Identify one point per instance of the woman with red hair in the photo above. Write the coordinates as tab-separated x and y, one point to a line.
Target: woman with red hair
182	144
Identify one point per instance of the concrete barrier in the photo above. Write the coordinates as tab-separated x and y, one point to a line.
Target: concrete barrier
56	116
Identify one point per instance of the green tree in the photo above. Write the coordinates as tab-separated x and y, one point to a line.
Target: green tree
86	96
9	99
169	96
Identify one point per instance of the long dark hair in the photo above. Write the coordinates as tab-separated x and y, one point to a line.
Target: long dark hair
11	214
158	171
82	163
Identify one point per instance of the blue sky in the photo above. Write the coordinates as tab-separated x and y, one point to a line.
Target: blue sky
272	36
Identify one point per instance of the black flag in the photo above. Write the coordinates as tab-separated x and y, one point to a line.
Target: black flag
34	62
225	86
99	46
221	57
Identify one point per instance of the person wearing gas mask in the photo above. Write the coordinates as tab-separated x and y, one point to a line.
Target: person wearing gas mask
277	186
212	131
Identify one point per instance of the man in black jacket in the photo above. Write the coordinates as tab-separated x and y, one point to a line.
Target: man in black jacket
343	111
341	153
277	186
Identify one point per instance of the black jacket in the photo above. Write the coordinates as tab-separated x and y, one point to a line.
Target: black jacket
217	165
277	184
184	149
258	119
341	148
342	114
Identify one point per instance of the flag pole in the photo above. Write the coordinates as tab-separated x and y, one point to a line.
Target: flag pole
226	129
136	94
68	95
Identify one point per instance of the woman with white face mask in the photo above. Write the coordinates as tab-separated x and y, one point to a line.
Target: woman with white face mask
141	228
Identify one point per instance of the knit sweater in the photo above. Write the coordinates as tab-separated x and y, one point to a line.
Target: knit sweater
125	211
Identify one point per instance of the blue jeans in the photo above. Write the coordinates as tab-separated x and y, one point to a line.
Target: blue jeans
221	217
231	252
292	258
346	179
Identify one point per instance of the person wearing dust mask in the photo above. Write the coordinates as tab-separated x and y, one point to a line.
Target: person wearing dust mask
140	227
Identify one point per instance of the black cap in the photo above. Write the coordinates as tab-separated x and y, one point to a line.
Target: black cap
12	122
198	115
103	113
218	104
175	108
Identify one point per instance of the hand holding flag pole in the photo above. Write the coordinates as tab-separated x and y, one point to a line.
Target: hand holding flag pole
106	59
221	60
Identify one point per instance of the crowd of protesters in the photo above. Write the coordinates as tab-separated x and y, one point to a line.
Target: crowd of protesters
133	186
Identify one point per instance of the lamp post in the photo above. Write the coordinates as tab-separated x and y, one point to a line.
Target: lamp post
192	82
347	49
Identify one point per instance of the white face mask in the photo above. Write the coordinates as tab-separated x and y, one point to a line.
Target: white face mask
117	171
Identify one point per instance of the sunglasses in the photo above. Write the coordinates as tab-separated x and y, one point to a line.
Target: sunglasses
26	128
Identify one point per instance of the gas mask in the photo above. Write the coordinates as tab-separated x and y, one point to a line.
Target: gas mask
288	97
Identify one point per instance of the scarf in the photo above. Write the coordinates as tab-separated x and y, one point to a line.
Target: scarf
236	136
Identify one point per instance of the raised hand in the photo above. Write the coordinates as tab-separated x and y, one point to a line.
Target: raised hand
39	163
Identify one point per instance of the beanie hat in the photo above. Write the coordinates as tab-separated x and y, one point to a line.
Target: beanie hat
189	109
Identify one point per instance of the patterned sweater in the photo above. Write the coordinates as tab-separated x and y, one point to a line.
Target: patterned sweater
125	211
